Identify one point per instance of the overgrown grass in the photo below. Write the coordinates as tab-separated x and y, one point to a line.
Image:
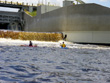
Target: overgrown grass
31	36
34	13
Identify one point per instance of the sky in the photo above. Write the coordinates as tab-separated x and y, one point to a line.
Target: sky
55	2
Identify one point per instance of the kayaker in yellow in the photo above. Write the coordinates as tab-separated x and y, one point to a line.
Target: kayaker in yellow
63	45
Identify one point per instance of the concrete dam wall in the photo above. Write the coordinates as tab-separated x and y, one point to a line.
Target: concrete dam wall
85	23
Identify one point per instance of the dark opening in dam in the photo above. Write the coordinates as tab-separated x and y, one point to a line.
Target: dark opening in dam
4	25
11	26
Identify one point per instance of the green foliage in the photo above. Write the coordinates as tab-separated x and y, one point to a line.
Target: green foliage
34	13
73	3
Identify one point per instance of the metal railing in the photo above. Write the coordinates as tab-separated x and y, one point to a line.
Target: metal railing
25	4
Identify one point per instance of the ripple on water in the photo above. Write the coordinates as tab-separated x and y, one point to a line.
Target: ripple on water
29	75
8	79
8	72
30	82
87	70
19	68
1	68
50	62
34	59
59	67
44	80
65	63
108	80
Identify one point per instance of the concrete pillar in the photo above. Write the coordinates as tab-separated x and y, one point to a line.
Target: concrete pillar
14	26
22	3
17	3
5	1
67	3
19	27
27	4
30	9
11	2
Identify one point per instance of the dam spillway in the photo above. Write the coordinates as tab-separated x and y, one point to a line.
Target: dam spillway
85	23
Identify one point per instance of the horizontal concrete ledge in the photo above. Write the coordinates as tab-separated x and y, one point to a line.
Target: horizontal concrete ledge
88	36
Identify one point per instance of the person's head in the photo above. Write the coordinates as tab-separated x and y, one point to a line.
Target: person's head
63	42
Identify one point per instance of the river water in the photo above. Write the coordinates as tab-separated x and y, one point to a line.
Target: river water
48	63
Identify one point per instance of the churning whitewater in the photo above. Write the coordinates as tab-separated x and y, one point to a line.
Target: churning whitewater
48	63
